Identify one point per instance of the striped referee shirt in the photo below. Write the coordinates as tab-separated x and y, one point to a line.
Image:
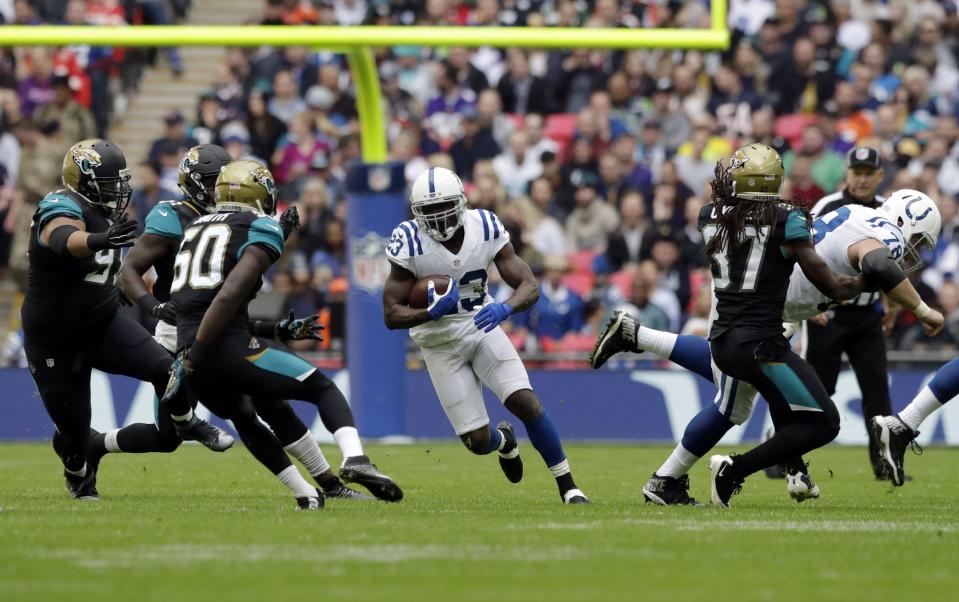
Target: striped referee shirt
834	201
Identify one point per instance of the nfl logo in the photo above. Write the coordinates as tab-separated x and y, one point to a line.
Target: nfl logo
50	362
862	154
368	264
378	178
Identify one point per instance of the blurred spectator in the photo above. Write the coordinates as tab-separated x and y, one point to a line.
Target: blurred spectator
639	303
76	122
591	222
265	128
559	311
210	118
149	191
444	110
520	91
286	101
174	139
315	214
625	245
826	168
542	231
36	88
805	192
294	158
474	145
516	167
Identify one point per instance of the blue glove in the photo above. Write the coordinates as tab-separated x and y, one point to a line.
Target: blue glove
297	329
179	371
442	304
491	315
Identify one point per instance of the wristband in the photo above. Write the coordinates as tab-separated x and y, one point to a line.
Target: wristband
146	303
922	310
263	328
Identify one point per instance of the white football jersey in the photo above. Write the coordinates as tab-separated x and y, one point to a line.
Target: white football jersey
833	234
423	256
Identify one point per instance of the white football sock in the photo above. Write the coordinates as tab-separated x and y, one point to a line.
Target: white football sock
308	452
659	342
348	439
184	418
78	473
678	463
110	441
560	469
922	405
295	482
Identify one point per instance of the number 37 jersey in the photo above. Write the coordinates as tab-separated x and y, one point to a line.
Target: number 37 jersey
212	246
419	254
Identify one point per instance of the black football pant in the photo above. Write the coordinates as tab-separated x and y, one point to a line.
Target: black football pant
240	367
857	331
62	375
805	416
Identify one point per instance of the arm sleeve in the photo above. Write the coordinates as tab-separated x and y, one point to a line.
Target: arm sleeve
267	234
54	205
797	226
163	221
402	247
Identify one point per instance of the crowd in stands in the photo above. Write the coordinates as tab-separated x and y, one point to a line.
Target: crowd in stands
597	161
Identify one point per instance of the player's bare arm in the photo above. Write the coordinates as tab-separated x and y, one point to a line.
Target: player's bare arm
518	275
68	237
396	296
148	250
235	291
833	285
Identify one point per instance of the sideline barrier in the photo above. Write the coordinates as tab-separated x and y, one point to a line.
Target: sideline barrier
629	406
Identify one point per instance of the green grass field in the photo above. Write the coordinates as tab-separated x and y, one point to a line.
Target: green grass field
194	525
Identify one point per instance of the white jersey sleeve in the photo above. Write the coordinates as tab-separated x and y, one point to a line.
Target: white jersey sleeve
494	234
405	245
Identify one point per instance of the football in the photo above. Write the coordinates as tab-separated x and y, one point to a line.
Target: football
418	295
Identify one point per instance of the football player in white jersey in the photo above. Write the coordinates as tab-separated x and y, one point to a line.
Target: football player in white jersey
459	333
883	244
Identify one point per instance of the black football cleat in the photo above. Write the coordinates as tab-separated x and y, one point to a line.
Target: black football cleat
339	491
575	496
509	459
722	486
619	335
359	470
82	488
894	436
668	491
800	486
311	502
197	429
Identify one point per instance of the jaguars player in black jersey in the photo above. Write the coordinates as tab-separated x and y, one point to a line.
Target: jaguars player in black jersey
72	322
218	269
753	240
157	247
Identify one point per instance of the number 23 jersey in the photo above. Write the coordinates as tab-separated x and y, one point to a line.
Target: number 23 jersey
212	246
419	254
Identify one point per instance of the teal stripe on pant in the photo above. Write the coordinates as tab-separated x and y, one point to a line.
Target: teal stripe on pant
791	386
285	364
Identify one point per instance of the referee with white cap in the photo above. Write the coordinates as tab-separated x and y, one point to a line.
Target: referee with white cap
855	328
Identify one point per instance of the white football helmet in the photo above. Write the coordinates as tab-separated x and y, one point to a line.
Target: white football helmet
438	201
918	217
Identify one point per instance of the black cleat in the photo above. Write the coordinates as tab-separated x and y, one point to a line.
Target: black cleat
311	502
619	335
722	486
893	436
82	488
197	429
668	491
358	469
575	496
339	491
509	459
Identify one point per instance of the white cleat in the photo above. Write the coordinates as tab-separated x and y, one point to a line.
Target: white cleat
800	486
575	496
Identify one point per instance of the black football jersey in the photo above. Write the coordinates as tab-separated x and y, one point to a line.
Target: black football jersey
751	279
211	247
67	295
170	220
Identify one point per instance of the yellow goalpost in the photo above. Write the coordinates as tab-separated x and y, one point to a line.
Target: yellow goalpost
357	41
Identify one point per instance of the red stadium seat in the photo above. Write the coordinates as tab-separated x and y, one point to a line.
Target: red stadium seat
581	262
790	127
622	279
578	282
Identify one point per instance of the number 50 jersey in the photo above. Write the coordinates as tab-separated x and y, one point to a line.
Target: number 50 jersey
483	238
212	245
